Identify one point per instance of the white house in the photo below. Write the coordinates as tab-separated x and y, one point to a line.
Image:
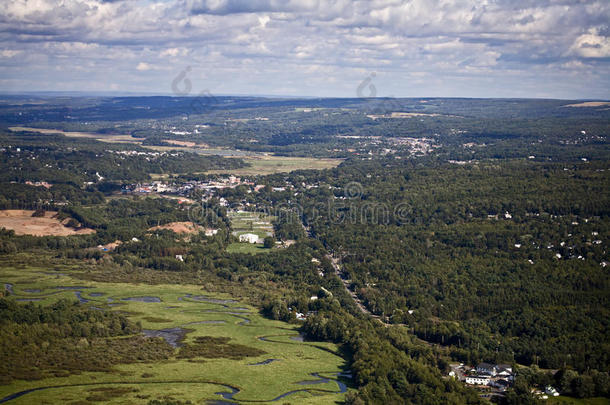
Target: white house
210	232
551	391
248	237
478	379
505	371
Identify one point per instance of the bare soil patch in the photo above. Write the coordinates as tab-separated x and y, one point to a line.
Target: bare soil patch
589	104
188	144
178	227
23	223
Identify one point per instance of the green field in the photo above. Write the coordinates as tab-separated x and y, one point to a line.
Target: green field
269	164
561	400
243	247
250	222
197	379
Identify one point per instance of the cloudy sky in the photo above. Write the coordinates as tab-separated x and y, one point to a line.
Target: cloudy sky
400	48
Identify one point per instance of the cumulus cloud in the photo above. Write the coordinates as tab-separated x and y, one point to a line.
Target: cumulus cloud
311	47
591	45
143	66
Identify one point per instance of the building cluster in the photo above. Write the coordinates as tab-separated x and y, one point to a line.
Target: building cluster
184	188
378	145
496	376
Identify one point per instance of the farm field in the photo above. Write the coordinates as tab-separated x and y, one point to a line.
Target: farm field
260	163
269	164
73	134
250	222
23	223
289	370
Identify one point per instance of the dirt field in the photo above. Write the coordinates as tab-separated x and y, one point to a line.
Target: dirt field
22	222
187	144
179	227
589	104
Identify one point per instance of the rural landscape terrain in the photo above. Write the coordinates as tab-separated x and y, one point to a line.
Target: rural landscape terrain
237	250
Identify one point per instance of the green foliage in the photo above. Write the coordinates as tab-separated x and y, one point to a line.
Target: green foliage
288	226
66	338
269	242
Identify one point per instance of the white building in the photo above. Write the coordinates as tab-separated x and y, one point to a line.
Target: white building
551	391
248	237
211	232
478	379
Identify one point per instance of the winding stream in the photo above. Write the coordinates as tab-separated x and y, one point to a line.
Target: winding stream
173	336
142	299
225	395
264	362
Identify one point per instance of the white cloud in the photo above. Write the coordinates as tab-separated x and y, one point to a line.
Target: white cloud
9	53
293	44
591	45
143	66
173	52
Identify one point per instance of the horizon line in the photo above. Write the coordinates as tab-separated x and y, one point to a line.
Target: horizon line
85	93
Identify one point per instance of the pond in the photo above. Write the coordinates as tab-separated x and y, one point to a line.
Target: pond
172	336
203	298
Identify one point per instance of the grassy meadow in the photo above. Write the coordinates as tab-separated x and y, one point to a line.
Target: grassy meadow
197	379
270	164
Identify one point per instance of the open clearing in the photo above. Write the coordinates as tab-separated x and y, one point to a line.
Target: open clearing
244	247
178	227
23	223
250	222
98	137
268	164
187	144
301	372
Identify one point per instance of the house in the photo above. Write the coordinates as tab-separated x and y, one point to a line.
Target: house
504	371
487	368
248	237
551	391
211	232
478	379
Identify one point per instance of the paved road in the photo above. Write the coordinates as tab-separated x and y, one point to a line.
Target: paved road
346	283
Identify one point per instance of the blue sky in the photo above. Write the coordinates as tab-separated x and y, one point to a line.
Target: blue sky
415	48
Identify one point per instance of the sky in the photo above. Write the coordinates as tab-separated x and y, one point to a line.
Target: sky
382	48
